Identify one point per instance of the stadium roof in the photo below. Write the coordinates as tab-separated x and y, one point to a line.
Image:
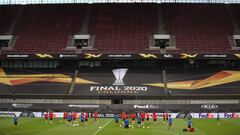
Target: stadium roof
25	2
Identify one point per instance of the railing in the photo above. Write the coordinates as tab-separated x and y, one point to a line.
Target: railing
25	2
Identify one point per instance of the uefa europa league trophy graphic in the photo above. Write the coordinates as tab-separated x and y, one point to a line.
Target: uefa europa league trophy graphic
119	75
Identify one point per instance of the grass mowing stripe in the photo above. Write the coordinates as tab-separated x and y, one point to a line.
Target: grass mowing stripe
103	127
23	131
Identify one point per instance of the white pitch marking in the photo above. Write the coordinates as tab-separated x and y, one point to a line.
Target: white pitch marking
102	127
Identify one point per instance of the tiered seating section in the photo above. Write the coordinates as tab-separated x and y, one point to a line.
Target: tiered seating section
7	16
199	28
47	28
120	28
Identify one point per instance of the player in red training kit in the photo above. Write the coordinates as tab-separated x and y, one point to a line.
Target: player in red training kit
148	116
74	118
143	117
51	116
46	117
65	115
154	117
124	117
164	117
133	117
86	117
95	115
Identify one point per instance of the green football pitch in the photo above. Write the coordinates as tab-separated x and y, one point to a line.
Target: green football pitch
37	126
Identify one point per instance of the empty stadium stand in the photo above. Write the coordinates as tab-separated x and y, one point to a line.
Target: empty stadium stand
119	28
47	28
122	28
8	14
199	28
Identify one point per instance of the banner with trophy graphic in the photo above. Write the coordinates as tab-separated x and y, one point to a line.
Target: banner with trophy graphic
119	81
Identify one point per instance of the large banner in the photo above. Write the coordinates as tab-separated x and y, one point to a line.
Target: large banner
120	81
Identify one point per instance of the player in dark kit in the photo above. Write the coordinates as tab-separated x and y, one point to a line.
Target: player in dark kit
69	119
218	119
82	119
139	120
126	123
189	123
169	122
15	120
166	116
116	119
